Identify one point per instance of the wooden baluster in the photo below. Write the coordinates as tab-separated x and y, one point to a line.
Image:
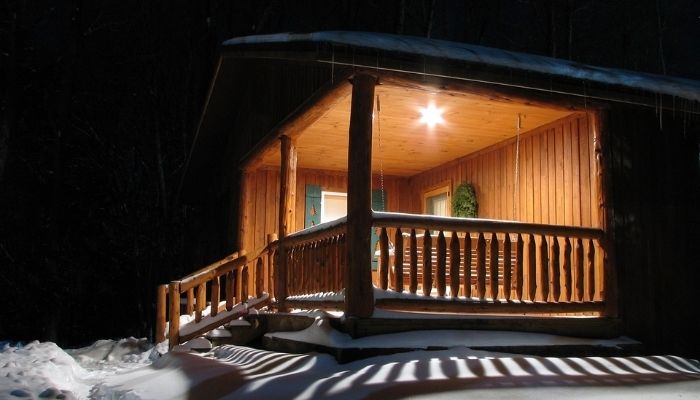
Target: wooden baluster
308	282
398	261
383	259
413	272
454	265
174	318
244	284
493	266
507	278
321	266
467	264
215	295
290	270
554	273
343	261
427	264
481	266
305	270
333	262
567	269
519	257
578	270
161	305
441	269
328	262
590	263
190	301
201	299
322	260
544	268
230	291
531	268
259	278
316	268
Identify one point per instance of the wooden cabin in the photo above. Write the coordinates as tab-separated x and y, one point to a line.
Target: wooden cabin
327	164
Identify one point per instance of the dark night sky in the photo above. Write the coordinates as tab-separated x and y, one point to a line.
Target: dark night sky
100	101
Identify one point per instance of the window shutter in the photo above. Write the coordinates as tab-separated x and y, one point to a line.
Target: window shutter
377	205
312	213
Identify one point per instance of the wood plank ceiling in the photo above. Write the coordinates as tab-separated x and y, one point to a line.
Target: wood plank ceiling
405	145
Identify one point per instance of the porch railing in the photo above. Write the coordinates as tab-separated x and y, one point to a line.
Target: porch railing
236	279
508	266
459	265
316	260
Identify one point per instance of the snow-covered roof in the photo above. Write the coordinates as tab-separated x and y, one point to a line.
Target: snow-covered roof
469	53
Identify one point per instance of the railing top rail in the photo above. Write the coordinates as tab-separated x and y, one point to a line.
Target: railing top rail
215	264
432	222
207	274
316	232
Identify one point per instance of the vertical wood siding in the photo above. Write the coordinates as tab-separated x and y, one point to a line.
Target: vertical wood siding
554	178
554	183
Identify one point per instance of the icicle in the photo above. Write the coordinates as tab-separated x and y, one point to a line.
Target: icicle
661	112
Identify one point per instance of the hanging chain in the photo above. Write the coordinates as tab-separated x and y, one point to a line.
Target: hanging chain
381	161
518	125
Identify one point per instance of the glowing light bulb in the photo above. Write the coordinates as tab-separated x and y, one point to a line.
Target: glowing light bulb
431	115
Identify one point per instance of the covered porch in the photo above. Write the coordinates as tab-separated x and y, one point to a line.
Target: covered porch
537	249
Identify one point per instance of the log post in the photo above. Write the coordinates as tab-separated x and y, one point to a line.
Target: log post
174	318
288	174
359	298
243	199
398	260
602	184
162	298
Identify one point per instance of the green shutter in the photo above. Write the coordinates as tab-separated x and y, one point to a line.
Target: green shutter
312	213
377	205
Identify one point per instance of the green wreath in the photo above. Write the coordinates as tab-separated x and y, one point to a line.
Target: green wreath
464	202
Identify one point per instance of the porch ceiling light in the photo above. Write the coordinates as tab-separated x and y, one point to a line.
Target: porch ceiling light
431	115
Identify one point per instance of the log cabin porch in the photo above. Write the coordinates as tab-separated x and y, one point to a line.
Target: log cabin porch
538	249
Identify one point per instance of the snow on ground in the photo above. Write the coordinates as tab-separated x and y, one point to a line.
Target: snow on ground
44	370
131	369
321	333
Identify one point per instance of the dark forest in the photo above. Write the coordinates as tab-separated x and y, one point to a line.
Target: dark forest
101	99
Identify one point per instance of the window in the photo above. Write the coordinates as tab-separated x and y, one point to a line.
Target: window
333	205
437	201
